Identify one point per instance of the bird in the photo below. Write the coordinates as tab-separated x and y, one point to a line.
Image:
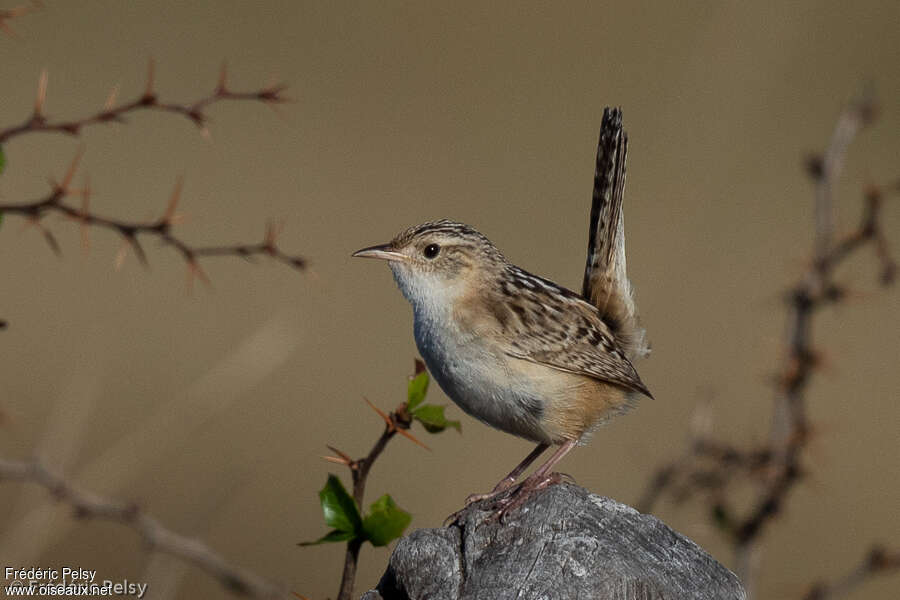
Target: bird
517	351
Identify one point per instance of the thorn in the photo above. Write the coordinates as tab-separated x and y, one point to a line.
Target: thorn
111	99
85	212
130	241
413	438
273	230
336	460
301	596
381	414
51	240
222	84
149	97
205	134
70	174
170	215
196	272
119	260
41	95
343	455
4	26
16	12
138	250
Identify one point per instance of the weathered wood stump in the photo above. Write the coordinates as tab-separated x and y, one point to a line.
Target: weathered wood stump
563	543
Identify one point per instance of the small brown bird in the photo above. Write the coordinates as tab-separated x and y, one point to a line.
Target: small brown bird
517	351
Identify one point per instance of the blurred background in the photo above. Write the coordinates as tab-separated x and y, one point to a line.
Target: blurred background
211	409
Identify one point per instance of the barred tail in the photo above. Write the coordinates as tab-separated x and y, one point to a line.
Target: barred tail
606	283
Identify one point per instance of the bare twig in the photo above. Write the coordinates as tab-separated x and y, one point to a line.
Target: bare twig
878	561
826	169
157	537
115	113
790	428
131	231
710	465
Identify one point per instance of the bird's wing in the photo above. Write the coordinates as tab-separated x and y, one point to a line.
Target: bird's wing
546	324
606	284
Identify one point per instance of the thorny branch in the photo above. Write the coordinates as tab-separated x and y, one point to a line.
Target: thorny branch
397	421
710	466
156	536
877	561
131	231
113	112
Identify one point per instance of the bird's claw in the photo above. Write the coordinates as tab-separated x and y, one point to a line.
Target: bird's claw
505	501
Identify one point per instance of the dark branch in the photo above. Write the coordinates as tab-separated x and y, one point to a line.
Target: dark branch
878	561
112	112
131	232
710	466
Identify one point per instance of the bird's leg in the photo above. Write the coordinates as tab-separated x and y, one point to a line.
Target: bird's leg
504	484
538	480
510	479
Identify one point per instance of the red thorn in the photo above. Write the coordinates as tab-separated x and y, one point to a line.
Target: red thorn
149	97
70	174
111	99
343	455
381	414
41	95
222	83
413	438
169	216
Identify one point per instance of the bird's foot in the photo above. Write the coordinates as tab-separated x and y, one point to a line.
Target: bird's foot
498	490
505	501
523	492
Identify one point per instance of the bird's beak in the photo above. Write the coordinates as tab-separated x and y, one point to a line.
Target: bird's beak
383	251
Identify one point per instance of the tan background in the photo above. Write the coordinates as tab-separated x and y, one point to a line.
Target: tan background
212	410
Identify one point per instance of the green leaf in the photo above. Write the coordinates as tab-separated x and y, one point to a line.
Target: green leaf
385	521
415	392
332	536
2	159
339	508
432	418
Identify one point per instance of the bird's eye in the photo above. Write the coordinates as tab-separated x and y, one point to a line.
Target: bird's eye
431	250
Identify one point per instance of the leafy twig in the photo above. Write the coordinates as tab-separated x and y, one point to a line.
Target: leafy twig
385	521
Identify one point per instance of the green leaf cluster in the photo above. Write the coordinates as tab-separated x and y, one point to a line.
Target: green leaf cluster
385	522
431	416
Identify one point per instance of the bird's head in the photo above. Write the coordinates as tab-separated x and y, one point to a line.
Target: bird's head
438	260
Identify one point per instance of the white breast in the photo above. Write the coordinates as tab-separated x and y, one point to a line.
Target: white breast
475	375
478	379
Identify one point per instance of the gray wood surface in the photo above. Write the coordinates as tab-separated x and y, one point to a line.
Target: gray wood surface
563	543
